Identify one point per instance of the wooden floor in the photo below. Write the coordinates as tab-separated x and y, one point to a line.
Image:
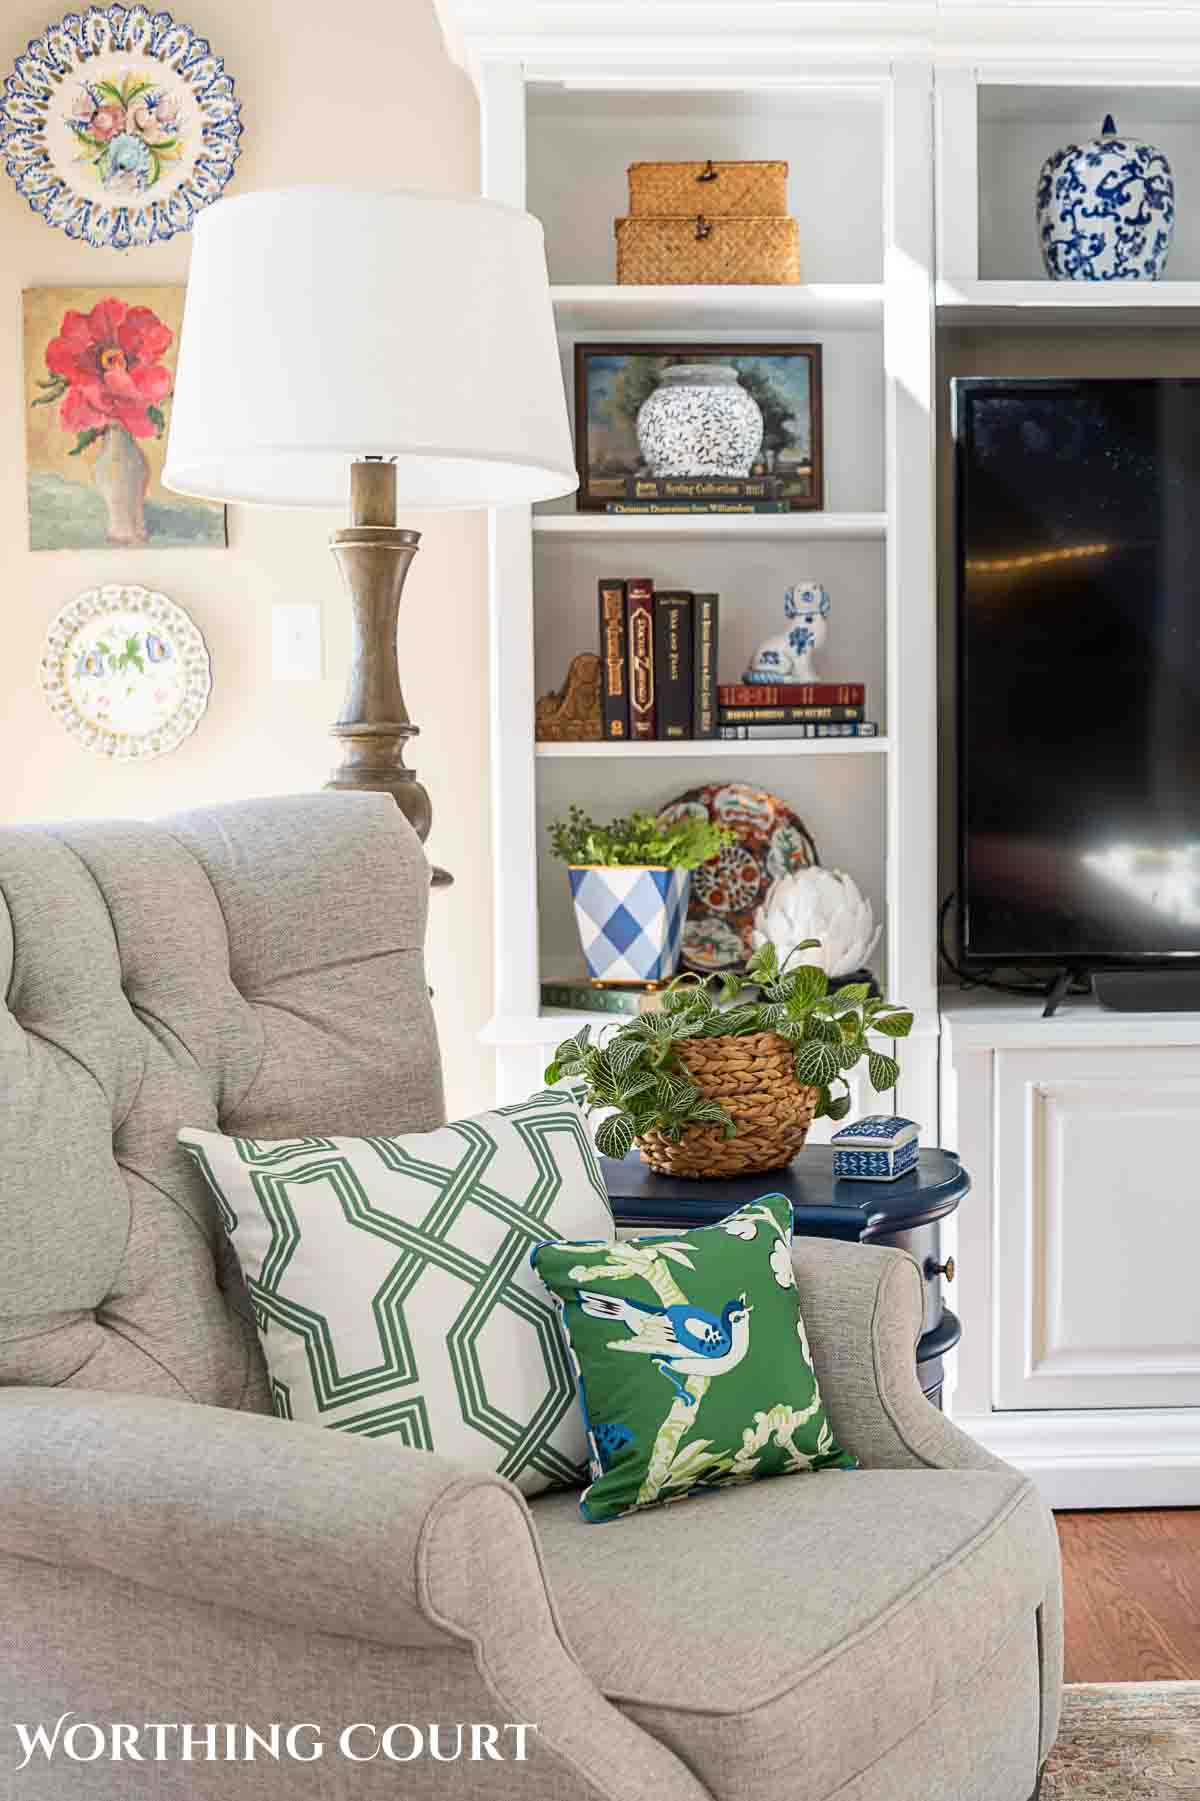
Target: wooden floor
1132	1591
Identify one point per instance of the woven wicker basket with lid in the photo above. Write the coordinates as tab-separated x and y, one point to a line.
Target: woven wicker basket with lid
753	1077
717	189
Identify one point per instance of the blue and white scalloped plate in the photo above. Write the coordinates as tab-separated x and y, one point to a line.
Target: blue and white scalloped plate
119	125
126	672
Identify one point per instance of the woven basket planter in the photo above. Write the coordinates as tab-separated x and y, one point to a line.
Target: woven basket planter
754	1079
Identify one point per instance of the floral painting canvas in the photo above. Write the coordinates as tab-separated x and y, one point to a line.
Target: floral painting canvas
99	374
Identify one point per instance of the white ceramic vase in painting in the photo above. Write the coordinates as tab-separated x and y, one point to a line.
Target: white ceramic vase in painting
699	420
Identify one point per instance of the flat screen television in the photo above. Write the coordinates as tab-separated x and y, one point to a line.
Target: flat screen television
1078	580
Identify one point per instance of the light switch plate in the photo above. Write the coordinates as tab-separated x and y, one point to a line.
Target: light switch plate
296	643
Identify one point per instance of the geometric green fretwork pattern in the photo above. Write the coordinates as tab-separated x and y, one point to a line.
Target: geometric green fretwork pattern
391	1283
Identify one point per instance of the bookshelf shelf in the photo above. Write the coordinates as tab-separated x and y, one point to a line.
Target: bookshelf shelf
544	1030
976	304
706	749
598	309
810	527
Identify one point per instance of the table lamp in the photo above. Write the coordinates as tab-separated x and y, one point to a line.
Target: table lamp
341	344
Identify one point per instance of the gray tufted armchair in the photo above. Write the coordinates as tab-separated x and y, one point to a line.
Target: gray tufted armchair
170	1553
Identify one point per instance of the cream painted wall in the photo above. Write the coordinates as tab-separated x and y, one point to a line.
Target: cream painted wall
361	90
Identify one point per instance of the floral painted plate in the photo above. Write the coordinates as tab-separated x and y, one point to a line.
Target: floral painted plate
119	125
126	672
771	841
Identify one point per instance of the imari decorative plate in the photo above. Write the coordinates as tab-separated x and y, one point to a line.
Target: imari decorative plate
118	125
126	672
726	892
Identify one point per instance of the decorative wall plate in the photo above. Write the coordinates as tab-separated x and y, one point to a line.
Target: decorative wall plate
126	672
771	841
119	125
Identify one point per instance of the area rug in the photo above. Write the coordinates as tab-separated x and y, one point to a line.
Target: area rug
1127	1741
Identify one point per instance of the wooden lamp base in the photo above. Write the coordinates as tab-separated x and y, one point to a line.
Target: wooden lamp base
373	555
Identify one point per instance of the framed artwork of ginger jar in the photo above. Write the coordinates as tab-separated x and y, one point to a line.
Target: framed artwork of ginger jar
698	423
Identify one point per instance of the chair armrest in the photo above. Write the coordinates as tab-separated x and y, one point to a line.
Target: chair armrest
292	1522
863	1307
323	1530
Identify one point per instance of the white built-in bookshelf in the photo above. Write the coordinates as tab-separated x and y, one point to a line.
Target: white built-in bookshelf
913	134
558	138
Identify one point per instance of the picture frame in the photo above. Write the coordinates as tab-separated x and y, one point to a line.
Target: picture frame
612	381
95	443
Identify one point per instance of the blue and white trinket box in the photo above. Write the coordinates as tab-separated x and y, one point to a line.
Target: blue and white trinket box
876	1149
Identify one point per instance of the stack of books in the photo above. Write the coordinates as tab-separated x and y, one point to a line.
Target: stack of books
793	710
702	494
658	655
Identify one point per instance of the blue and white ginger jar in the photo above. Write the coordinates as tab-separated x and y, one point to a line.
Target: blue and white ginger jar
1106	209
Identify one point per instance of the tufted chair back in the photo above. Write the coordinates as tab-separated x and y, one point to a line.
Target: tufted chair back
257	969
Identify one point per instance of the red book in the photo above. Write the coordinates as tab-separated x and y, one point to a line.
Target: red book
792	694
639	599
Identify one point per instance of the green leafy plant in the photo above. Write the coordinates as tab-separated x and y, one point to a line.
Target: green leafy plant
637	1079
639	838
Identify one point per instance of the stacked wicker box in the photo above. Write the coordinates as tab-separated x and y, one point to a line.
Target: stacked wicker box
708	222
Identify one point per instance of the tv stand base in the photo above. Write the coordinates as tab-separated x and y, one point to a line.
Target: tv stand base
1148	990
1057	992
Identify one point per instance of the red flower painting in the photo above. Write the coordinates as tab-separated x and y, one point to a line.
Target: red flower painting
106	370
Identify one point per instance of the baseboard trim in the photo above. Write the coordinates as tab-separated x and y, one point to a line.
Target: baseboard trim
1101	1457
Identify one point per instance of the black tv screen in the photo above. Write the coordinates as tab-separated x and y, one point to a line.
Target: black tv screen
1078	527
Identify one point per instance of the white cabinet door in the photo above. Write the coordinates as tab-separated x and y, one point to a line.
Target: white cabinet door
1096	1291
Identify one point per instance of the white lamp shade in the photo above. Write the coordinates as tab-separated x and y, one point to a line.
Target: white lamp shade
325	324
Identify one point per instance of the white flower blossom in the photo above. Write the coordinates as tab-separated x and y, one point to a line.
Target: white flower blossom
739	1228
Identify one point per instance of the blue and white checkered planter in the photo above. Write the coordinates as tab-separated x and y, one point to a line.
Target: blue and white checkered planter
630	920
875	1149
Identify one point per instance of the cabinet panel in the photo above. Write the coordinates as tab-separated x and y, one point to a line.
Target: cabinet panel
1096	1301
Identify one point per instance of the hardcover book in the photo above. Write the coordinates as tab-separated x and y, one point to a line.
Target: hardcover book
581	997
786	715
791	694
854	729
673	663
614	661
704	666
697	506
703	487
639	613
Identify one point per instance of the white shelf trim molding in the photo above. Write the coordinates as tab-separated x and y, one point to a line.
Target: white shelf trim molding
705	749
793	41
815	306
1077	304
811	527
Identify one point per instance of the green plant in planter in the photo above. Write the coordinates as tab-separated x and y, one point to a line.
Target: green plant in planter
638	1080
638	839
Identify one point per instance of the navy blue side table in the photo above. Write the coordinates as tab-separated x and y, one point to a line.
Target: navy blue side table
906	1213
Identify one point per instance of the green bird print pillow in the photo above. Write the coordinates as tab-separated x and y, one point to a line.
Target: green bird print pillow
691	1359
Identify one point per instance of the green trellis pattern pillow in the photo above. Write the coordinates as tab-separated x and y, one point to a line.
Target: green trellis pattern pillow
691	1358
391	1283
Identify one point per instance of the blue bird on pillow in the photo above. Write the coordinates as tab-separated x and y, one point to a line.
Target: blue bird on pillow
683	1340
